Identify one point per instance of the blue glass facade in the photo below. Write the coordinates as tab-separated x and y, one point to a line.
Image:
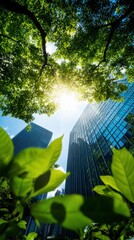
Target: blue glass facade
37	137
100	127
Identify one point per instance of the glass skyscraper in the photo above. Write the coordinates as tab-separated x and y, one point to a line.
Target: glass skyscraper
36	137
100	128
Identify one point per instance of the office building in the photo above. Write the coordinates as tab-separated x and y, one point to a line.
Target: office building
100	128
36	137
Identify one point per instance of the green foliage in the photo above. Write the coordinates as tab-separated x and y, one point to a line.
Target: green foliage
95	47
6	149
56	177
24	176
30	236
109	216
109	180
120	186
65	210
122	169
33	162
106	191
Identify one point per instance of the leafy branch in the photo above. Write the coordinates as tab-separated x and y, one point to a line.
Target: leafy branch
18	8
112	25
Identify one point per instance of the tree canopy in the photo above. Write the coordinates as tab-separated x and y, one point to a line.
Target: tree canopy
94	47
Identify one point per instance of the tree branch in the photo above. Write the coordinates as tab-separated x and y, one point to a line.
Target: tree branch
17	8
128	11
113	26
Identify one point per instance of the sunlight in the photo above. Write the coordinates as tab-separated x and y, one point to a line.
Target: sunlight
67	101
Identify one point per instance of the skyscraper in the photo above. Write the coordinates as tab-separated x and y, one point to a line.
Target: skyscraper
36	137
100	127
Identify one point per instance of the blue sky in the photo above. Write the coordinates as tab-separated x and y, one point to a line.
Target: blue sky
59	123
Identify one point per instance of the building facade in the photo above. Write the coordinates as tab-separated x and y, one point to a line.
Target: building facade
36	137
100	128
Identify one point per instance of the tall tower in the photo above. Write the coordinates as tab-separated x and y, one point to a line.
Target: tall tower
36	137
100	127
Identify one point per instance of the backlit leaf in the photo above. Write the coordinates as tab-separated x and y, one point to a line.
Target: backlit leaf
35	161
75	212
123	172
73	219
31	236
21	186
55	149
22	224
6	148
56	177
109	180
106	191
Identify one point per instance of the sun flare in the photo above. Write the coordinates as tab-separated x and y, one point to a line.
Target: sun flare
67	100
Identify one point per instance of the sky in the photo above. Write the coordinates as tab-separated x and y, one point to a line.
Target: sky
60	123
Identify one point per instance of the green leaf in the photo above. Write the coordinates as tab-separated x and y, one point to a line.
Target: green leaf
100	236
22	224
21	186
2	221
32	162
103	209
62	209
31	236
106	191
109	180
65	210
49	181
6	148
55	149
123	172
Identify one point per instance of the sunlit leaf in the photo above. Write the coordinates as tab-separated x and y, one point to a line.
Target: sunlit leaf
55	149
109	180
49	181
6	148
67	209
31	236
64	210
99	236
32	162
123	172
106	191
21	186
22	224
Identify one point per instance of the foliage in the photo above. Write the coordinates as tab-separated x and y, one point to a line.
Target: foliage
23	176
94	48
31	173
119	186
